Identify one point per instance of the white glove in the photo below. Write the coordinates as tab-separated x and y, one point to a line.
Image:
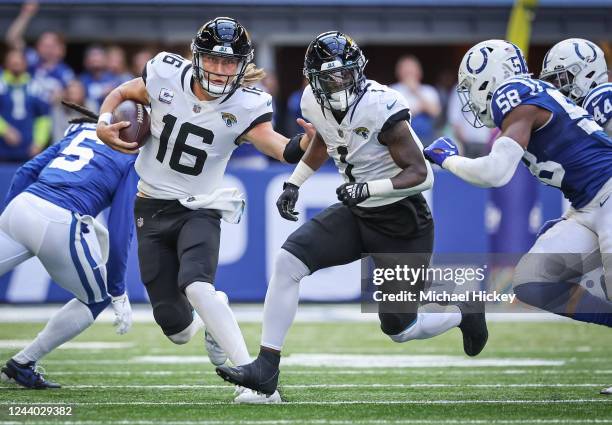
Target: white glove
123	313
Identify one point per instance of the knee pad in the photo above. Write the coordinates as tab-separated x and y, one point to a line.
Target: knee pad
180	338
97	308
172	317
395	323
288	263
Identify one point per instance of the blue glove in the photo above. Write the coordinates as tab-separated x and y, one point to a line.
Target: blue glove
440	149
547	225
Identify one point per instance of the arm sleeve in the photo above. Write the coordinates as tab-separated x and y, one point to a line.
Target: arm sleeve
493	170
121	231
28	172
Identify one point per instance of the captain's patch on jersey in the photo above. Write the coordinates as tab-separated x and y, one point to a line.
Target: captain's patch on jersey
166	96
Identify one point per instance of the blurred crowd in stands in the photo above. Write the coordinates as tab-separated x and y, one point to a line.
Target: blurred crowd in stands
34	80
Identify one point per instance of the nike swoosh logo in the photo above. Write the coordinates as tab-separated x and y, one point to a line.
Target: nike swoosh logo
594	101
449	144
392	105
601	204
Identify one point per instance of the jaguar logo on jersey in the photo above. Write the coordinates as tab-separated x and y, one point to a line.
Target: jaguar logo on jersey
228	119
363	132
166	96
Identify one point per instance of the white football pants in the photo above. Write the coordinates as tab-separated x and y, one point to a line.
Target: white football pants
588	232
72	248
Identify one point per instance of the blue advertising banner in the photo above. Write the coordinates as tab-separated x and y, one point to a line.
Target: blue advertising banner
248	248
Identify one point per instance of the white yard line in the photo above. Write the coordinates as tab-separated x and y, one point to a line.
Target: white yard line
310	403
253	313
326	386
342	422
332	371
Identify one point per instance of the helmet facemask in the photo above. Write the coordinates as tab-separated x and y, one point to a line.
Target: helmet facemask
475	102
564	80
226	82
337	86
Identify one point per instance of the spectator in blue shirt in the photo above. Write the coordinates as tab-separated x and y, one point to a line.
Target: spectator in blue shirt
97	79
25	124
115	58
46	62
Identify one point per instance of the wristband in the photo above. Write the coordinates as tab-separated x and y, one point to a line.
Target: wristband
382	187
300	174
106	118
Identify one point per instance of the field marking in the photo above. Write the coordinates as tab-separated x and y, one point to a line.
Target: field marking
341	422
84	345
309	403
324	386
331	371
369	361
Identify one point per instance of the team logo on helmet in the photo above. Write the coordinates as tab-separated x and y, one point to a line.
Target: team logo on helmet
229	119
363	132
485	59
588	58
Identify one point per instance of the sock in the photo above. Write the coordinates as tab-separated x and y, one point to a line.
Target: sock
566	299
282	299
432	320
72	319
184	336
270	357
219	320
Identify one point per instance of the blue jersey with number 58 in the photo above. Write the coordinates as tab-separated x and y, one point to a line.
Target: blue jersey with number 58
83	175
571	151
599	104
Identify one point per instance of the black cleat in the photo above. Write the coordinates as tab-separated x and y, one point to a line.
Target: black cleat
473	327
260	375
25	375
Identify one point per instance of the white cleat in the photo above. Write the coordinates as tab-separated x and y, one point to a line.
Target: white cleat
248	396
215	353
606	391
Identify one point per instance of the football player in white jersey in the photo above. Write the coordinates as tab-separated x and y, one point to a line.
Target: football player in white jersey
364	126
201	110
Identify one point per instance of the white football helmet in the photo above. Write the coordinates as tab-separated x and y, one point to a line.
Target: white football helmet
483	68
575	66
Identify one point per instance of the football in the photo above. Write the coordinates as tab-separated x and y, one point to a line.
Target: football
139	130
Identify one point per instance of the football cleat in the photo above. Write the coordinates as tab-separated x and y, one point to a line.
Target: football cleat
216	354
606	391
473	327
248	396
260	375
27	375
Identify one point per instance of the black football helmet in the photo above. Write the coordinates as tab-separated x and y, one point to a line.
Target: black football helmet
226	38
334	67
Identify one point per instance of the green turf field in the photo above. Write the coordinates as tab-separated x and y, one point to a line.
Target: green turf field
117	386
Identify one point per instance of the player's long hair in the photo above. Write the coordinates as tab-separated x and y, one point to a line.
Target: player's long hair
252	75
88	116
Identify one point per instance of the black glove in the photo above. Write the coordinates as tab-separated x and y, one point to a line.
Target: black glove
286	201
351	194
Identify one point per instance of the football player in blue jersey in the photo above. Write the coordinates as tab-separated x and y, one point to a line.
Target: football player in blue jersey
578	69
563	147
49	213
